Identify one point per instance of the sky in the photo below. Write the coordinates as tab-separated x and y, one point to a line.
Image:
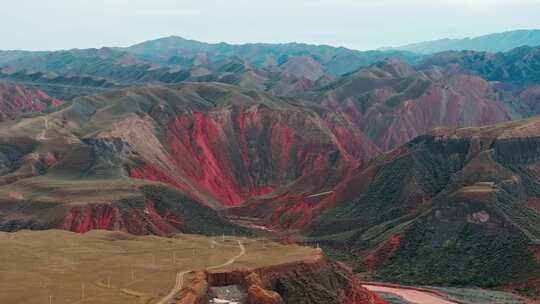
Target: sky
357	24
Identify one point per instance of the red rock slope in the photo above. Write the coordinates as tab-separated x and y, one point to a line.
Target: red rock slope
15	99
220	145
393	103
223	145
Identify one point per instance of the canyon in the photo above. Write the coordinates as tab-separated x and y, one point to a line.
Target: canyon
415	169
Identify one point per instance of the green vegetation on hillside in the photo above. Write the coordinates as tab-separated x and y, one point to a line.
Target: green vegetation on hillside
466	254
461	215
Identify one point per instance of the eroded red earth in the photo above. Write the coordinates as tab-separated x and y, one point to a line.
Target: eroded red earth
16	99
235	154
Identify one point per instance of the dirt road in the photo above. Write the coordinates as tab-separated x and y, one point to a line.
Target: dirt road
180	275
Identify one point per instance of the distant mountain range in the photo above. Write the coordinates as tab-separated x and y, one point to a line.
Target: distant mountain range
497	42
335	60
276	68
283	69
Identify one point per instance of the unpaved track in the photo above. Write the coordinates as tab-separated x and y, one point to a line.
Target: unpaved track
180	275
410	295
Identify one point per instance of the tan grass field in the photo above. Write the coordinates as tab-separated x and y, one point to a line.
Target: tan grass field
114	267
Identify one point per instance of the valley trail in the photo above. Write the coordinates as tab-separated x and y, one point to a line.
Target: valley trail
180	275
416	296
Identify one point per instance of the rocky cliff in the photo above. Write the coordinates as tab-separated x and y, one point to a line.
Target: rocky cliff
316	280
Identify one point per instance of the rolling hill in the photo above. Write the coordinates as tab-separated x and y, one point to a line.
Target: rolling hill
335	60
516	68
277	68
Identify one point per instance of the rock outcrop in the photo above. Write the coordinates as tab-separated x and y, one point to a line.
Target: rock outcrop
257	293
313	281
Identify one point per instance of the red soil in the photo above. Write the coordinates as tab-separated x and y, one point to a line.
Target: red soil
16	99
234	154
199	149
151	173
383	252
111	217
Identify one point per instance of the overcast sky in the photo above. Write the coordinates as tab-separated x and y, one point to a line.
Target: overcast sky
359	24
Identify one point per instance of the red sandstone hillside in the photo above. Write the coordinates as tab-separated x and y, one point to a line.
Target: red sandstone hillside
219	145
393	103
16	99
223	145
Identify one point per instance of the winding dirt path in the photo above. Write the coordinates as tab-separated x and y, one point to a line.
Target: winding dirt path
180	275
410	295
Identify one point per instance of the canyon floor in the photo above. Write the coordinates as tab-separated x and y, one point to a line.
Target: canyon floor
62	267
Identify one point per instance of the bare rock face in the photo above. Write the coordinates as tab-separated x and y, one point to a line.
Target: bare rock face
220	144
195	291
233	154
246	145
258	294
145	209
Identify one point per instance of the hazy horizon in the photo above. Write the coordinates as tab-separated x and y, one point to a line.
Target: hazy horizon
362	25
